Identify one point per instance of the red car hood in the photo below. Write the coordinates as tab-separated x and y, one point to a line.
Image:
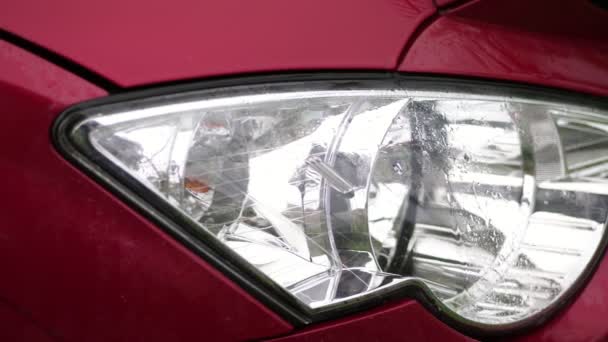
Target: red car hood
140	42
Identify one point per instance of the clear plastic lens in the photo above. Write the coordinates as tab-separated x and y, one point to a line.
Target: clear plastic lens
496	204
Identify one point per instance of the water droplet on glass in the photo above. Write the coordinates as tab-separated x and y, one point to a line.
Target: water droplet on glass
398	168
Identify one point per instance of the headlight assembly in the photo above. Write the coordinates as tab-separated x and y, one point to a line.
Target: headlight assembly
492	201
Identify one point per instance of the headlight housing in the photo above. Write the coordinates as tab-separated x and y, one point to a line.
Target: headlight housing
491	200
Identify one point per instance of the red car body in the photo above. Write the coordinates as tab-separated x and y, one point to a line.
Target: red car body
77	264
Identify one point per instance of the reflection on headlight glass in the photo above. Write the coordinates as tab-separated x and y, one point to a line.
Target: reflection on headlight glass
497	204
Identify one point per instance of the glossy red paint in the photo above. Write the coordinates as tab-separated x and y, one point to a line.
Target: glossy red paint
143	42
509	43
16	326
576	18
445	3
74	260
406	321
89	268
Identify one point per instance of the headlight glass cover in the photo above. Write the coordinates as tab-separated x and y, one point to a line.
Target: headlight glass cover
494	204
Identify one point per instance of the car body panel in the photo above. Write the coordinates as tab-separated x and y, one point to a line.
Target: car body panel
142	42
508	43
576	18
16	326
402	321
79	262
